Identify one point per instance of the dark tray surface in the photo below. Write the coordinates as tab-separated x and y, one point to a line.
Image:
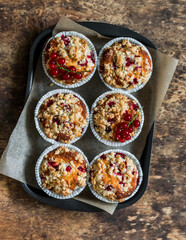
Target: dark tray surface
71	204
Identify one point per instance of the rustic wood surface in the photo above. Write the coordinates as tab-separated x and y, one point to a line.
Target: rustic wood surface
160	213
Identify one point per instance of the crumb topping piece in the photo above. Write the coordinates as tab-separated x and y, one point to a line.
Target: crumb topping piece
63	170
112	117
69	59
62	117
125	65
114	176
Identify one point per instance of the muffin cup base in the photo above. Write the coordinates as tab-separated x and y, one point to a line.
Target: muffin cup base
47	95
109	44
92	49
112	143
37	171
136	162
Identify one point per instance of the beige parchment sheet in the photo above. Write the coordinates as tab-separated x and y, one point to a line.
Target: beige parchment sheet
25	144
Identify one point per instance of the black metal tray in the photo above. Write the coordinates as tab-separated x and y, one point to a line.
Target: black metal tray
71	204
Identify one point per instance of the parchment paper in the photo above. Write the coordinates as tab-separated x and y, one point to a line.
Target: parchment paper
25	144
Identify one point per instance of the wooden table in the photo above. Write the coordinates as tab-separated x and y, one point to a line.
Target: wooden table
160	212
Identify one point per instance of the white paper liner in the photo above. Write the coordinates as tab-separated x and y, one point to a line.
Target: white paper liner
110	43
112	143
92	49
37	172
136	162
47	95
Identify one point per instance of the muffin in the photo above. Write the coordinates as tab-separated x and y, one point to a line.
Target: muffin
69	59
125	64
61	116
62	171
115	176
116	117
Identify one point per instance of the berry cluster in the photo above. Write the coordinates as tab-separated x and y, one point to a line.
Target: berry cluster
125	128
57	67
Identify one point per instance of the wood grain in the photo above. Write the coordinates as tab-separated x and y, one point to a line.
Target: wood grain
160	214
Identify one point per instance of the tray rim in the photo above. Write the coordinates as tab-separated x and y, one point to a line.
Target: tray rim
149	140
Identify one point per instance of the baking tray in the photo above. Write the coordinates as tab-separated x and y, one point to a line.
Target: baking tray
71	204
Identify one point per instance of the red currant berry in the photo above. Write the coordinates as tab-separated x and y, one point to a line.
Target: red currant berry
136	123
128	137
52	62
52	66
130	129
72	68
109	188
125	132
81	169
68	168
135	106
118	131
78	75
124	125
111	104
103	156
49	103
122	140
53	55
61	61
54	72
111	120
66	76
127	117
108	129
117	137
135	80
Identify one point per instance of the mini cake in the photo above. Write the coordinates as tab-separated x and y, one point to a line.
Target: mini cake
68	59
63	117
114	176
117	117
63	170
125	65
